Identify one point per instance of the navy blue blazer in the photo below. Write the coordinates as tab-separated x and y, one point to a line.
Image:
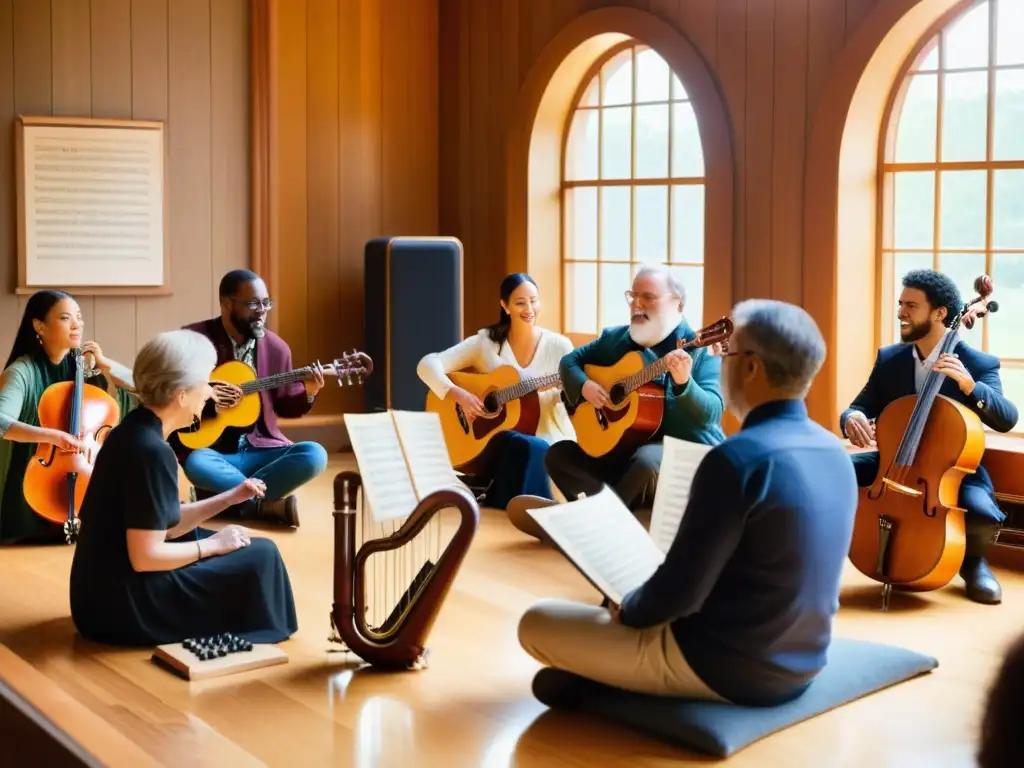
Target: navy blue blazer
892	377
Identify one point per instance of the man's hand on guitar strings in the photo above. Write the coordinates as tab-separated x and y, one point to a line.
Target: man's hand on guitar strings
225	395
679	364
595	394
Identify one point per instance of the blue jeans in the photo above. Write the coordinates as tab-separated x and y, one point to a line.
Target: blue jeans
518	468
283	468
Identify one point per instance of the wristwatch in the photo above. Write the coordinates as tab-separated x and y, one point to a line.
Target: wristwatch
310	399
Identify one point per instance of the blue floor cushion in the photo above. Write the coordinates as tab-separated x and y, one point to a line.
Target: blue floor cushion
855	668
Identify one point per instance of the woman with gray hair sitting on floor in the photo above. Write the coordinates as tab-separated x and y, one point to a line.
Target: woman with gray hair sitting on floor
144	572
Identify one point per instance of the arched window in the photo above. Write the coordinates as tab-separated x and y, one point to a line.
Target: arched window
632	189
953	173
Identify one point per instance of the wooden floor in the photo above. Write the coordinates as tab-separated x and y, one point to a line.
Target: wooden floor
473	706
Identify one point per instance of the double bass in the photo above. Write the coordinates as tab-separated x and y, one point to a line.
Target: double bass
909	531
56	480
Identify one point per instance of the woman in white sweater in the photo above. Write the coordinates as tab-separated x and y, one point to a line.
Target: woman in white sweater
518	464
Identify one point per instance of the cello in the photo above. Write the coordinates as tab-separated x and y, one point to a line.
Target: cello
56	480
909	531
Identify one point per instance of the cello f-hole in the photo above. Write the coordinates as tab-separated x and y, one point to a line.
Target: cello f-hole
49	459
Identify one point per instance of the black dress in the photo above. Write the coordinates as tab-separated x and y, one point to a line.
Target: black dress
135	485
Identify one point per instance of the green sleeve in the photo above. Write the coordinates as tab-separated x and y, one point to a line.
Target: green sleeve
13	386
699	400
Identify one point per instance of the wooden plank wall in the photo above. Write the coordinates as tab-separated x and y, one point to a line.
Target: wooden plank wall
185	62
771	59
356	157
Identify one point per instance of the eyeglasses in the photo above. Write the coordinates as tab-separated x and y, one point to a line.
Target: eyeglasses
646	298
256	304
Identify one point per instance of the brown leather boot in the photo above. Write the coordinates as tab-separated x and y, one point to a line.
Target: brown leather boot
980	583
284	511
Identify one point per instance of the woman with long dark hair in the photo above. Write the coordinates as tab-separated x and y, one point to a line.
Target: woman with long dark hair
50	327
516	340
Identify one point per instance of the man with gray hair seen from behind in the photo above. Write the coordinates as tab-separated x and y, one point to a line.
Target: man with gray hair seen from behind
741	610
692	408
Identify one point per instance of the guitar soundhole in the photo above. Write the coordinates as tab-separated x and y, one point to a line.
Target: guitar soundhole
617	393
490	403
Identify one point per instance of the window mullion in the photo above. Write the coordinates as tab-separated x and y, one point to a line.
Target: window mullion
632	165
600	194
989	173
939	111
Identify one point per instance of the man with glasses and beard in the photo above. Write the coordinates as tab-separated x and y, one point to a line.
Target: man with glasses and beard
927	304
693	398
259	451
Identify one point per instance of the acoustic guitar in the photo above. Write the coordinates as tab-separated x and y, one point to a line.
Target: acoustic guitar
511	403
350	368
637	404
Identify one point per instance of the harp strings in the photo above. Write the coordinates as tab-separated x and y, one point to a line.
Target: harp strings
391	573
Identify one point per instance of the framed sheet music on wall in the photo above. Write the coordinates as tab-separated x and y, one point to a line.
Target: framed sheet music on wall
92	206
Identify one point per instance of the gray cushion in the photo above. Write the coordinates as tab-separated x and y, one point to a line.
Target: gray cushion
855	668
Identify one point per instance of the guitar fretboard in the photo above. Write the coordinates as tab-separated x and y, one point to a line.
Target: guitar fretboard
280	379
272	382
650	372
525	387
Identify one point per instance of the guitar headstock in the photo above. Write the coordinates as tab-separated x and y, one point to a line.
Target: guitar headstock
979	306
352	365
718	332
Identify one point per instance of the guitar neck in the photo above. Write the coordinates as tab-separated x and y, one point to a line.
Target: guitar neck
645	375
525	387
280	380
650	372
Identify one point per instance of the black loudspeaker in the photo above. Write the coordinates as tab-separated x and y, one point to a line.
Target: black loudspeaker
413	307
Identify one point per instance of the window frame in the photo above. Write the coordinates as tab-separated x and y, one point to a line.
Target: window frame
886	280
631	182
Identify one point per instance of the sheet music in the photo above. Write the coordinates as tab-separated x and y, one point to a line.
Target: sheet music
386	481
426	452
679	462
603	540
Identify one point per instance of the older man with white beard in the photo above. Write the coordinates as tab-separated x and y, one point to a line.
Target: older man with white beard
693	399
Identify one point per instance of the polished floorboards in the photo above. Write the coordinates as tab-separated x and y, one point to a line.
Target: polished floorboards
472	706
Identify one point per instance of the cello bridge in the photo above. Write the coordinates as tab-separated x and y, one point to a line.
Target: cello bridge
900	488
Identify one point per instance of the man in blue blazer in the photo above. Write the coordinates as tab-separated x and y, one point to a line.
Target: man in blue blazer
927	304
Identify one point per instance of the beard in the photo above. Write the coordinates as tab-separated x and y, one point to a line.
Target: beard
912	333
648	329
250	329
